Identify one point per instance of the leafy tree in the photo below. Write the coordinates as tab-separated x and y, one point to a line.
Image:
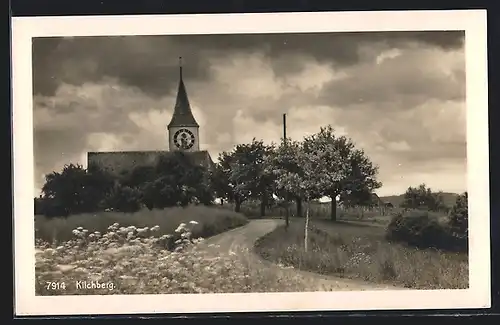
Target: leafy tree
139	176
355	198
123	198
347	171
98	184
459	215
250	173
241	174
175	180
75	189
422	197
224	183
284	162
303	181
219	181
64	188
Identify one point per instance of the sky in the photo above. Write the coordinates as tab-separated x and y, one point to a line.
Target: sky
400	96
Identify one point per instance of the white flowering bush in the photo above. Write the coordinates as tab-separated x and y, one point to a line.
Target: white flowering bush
131	260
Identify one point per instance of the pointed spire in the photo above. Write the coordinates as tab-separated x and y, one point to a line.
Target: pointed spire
180	67
183	116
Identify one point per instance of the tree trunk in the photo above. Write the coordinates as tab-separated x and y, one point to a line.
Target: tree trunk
221	201
333	212
306	228
287	212
237	206
299	207
263	203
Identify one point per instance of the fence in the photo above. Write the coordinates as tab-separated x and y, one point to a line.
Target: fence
316	210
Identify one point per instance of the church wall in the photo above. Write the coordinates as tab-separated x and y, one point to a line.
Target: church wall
116	162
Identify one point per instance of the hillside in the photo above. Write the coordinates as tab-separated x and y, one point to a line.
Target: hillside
448	198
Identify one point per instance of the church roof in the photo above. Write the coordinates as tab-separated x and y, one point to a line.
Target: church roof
183	116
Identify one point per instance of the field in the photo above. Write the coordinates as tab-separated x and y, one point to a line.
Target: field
162	251
123	259
360	251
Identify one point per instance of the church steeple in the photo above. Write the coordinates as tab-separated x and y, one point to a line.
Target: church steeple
183	116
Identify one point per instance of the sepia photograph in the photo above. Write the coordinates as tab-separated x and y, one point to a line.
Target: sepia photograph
251	167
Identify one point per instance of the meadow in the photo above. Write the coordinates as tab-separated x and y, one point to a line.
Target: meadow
161	251
124	259
359	250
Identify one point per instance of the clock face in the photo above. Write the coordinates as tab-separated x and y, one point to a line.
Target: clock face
184	139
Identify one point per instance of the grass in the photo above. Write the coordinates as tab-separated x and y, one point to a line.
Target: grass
359	251
128	260
211	221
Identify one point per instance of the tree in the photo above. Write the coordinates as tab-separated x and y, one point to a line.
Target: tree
139	176
356	197
123	198
284	162
99	183
241	174
299	175
225	183
251	174
459	215
176	180
219	181
422	197
347	171
75	189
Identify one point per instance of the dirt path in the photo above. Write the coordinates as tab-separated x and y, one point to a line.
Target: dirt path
245	237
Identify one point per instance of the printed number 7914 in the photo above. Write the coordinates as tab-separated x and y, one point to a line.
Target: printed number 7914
56	285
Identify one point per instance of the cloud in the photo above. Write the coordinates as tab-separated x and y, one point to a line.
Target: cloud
150	62
399	96
400	81
94	116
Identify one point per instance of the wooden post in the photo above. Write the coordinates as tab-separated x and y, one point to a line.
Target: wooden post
287	213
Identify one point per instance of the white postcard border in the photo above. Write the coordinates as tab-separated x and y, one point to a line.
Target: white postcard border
472	21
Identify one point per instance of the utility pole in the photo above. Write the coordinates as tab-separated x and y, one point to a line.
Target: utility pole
287	213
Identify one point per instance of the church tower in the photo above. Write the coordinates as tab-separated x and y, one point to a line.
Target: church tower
183	130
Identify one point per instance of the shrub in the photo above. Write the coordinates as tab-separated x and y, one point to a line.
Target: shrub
459	216
421	230
416	229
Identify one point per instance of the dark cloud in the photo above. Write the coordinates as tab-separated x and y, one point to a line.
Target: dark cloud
150	62
399	95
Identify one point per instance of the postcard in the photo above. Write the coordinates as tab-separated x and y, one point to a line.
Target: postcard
250	162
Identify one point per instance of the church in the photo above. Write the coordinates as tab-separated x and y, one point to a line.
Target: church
182	135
